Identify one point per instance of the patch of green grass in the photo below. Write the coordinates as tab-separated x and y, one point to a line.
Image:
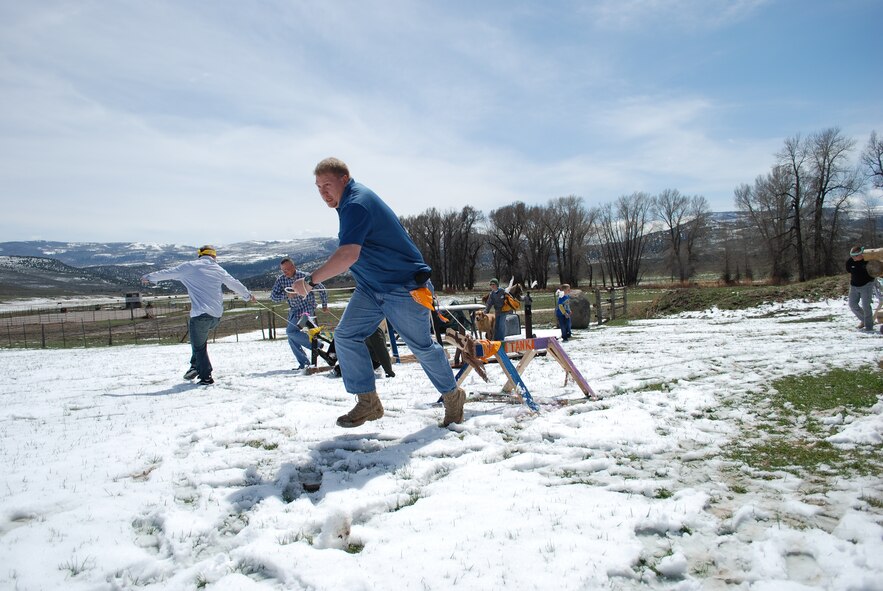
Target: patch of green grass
791	436
782	453
838	388
354	548
654	387
738	297
663	493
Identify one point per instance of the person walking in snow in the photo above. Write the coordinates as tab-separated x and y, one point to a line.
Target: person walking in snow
203	279
562	311
496	299
298	306
861	288
392	281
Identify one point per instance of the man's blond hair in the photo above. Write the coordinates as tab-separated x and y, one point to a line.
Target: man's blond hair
332	165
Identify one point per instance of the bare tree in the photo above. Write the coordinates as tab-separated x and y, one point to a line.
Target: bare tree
832	183
869	205
872	160
538	245
671	207
505	237
792	168
767	205
698	217
569	224
463	247
449	242
622	230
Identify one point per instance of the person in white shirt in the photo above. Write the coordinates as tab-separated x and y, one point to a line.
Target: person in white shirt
203	279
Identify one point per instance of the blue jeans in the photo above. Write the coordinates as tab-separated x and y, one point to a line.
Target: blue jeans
500	326
363	314
564	324
862	310
199	327
297	339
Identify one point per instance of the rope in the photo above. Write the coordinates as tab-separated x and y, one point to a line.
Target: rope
258	302
285	318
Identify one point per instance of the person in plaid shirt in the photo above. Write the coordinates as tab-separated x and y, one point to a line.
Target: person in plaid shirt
297	307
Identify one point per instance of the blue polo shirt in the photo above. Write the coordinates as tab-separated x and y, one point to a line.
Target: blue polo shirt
389	259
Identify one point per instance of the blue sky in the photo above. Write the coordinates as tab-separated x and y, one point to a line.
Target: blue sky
201	121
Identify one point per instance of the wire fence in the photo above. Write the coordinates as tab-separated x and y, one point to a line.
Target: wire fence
121	323
156	320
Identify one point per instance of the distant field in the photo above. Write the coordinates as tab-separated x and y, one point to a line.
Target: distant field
104	321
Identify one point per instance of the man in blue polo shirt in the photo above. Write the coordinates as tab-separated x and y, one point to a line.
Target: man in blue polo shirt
387	267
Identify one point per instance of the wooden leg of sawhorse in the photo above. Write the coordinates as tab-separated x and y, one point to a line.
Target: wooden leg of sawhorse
522	365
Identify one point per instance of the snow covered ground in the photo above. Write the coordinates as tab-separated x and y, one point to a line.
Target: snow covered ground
115	474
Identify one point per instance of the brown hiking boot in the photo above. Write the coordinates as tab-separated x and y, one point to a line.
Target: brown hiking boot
454	401
368	408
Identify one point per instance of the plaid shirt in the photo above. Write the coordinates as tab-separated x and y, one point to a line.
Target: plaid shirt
296	303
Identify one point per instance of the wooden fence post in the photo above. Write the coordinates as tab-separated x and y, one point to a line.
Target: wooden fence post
83	326
42	335
109	334
598	312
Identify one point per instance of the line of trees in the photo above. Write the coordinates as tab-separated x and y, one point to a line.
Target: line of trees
523	242
793	220
797	211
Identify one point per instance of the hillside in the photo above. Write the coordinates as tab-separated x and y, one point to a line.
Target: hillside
42	268
38	276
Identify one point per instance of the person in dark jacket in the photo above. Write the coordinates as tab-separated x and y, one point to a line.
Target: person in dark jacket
861	288
496	300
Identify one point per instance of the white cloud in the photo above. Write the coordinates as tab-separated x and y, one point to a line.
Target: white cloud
685	14
161	117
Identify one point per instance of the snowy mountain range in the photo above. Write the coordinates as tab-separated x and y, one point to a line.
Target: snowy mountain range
90	254
41	267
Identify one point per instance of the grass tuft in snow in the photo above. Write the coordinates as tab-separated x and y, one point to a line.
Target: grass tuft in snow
791	435
413	497
76	566
294	537
872	501
259	444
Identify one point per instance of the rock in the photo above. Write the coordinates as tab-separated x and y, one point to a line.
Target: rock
581	311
